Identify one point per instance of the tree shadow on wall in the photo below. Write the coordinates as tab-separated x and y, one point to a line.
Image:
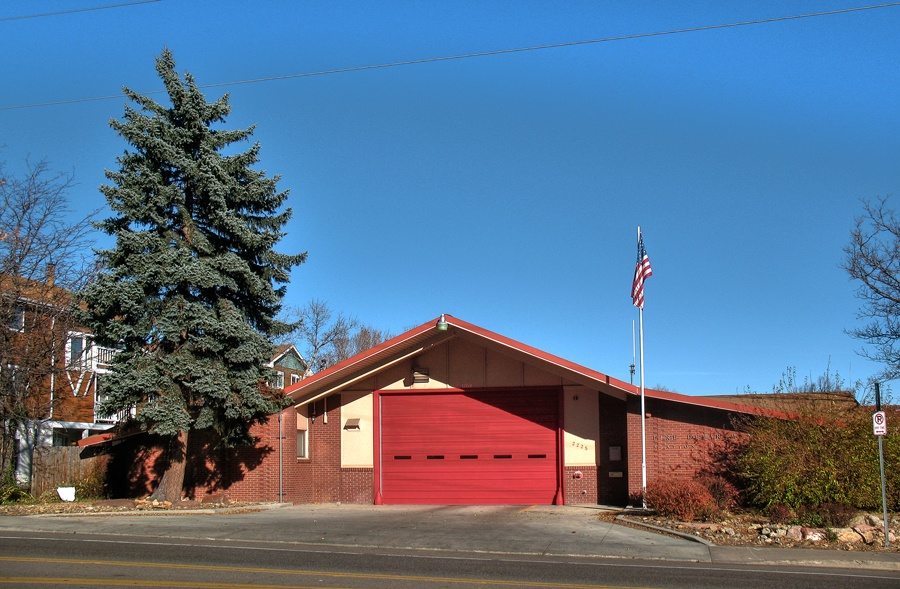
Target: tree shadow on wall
137	463
216	467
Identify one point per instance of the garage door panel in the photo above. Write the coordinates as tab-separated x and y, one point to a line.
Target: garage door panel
470	448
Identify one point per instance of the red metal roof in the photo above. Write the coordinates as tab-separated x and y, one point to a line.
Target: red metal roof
95	439
427	335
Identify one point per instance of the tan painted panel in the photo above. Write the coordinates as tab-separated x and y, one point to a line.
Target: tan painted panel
467	365
582	426
537	377
357	444
395	377
461	364
436	361
503	371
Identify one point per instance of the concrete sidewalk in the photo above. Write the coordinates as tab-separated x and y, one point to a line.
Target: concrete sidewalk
539	531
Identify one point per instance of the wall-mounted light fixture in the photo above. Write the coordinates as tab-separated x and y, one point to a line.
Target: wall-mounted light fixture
442	323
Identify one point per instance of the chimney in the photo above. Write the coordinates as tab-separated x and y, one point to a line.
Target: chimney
51	273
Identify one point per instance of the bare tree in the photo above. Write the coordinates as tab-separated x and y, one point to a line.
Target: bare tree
367	337
327	337
873	259
45	256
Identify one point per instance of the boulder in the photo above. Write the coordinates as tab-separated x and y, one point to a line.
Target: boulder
794	533
813	534
866	532
847	536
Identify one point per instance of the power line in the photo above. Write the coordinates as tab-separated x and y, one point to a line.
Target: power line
424	60
75	10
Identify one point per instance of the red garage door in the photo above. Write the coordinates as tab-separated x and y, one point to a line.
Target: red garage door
470	448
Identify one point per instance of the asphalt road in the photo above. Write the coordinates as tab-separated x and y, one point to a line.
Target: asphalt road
52	559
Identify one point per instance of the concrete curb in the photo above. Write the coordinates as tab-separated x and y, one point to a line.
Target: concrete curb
763	555
662	530
173	511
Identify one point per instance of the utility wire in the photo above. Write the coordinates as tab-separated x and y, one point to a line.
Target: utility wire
76	10
378	66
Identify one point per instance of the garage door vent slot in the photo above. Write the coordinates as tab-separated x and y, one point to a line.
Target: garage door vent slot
435	457
537	455
502	456
402	457
468	457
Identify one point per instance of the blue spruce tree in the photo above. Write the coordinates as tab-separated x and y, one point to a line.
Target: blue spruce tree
191	289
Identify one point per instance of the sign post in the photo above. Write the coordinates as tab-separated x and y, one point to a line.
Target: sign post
879	428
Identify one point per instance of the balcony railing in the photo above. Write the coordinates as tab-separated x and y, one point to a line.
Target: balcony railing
103	356
94	358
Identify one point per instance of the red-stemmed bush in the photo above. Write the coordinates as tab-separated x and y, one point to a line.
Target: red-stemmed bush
680	499
723	492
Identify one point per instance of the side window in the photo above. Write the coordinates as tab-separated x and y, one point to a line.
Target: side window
17	319
302	433
279	379
295	378
78	349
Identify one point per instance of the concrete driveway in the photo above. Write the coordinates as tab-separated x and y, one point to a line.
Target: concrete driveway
533	530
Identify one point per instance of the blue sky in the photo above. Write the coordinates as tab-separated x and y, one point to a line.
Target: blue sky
506	190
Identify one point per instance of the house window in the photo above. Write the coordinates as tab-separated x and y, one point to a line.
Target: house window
279	380
79	346
66	436
17	319
9	374
295	378
302	433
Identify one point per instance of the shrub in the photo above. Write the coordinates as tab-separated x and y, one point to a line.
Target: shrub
823	457
809	516
91	485
683	500
722	491
779	513
836	515
12	493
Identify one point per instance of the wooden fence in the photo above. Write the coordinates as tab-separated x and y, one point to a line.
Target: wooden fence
62	466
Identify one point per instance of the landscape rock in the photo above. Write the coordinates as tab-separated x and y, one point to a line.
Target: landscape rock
813	534
794	533
847	536
866	532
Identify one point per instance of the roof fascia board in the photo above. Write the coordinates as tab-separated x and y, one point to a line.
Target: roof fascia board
346	365
343	383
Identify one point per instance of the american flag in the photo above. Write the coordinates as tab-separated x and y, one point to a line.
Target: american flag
642	272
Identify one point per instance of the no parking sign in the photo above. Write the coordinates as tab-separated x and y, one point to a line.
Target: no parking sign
879	423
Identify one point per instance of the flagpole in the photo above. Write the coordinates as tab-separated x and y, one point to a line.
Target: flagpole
643	410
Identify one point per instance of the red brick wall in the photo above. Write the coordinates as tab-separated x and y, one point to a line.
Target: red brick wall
580	490
682	440
263	472
357	485
248	473
319	476
69	405
252	473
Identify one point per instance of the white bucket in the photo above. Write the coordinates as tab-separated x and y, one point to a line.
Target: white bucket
66	493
